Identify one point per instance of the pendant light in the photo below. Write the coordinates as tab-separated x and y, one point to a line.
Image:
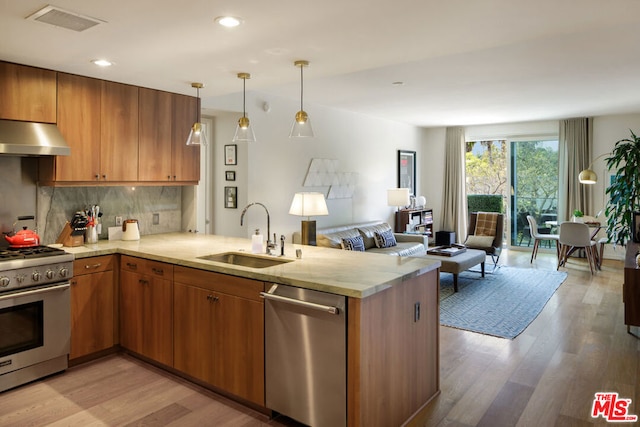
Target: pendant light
302	125
244	131
197	136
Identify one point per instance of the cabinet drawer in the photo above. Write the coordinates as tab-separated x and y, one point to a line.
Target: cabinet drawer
231	285
146	266
93	265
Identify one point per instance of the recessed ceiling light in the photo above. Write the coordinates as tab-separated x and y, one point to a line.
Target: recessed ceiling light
228	21
102	62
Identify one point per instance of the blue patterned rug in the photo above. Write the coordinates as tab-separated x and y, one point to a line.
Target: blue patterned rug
501	304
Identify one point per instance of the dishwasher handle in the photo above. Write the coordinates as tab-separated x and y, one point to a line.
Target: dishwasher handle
307	304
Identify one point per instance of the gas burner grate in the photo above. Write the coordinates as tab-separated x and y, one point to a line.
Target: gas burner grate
31	252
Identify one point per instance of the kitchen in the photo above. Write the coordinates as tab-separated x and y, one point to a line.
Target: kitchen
57	203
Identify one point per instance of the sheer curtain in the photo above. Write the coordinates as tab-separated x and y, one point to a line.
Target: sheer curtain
454	203
575	146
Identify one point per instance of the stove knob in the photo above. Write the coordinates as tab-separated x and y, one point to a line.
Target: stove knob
4	281
20	278
64	271
35	276
49	274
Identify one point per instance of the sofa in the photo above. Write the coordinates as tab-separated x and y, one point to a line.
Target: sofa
363	236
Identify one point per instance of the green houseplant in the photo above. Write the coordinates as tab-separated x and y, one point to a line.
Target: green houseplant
623	191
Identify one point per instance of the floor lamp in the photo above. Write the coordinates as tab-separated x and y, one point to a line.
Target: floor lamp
308	204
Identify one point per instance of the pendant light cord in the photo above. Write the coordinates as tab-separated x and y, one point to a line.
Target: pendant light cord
197	102
244	96
301	87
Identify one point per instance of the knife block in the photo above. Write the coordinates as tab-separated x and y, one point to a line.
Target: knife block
67	239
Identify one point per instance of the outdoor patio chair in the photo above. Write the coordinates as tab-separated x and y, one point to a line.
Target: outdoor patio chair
541	237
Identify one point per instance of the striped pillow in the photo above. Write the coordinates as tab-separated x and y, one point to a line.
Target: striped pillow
385	239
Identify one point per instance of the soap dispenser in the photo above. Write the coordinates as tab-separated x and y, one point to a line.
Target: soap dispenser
256	242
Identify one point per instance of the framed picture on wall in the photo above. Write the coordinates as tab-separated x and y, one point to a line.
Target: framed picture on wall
407	170
231	197
230	175
230	154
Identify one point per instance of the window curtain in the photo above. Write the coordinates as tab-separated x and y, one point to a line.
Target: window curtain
454	200
576	145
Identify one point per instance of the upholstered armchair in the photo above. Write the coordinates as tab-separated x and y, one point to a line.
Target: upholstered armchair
478	239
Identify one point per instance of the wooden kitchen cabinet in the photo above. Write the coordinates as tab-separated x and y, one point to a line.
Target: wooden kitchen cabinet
154	163
79	123
631	287
186	158
219	331
119	132
146	308
27	93
165	121
93	308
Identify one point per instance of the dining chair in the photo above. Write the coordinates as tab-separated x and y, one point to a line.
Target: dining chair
573	236
541	237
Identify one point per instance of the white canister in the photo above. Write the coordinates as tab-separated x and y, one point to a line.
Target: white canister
256	242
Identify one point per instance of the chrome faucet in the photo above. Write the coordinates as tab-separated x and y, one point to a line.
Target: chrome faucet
270	244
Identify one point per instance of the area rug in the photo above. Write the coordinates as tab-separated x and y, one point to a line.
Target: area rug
501	304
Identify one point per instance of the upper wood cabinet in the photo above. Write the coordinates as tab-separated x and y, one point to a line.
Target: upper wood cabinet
154	163
165	120
27	93
186	158
79	123
119	132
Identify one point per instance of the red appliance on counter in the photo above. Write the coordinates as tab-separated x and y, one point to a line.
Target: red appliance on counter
24	238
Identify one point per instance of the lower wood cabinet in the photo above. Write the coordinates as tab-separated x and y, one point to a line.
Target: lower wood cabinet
219	331
146	308
92	306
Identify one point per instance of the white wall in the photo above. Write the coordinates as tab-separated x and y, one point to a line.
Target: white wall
272	169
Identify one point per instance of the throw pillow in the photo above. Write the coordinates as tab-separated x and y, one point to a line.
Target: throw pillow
353	244
479	241
385	239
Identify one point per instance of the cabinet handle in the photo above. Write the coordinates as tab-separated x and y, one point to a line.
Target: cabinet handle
132	265
87	267
97	177
104	176
158	271
143	282
169	177
175	177
212	298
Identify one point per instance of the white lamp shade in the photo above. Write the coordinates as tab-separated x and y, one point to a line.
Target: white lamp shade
398	197
308	204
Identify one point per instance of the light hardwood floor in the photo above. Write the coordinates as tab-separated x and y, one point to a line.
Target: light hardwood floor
547	376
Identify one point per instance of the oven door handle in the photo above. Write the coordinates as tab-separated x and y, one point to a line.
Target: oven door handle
62	287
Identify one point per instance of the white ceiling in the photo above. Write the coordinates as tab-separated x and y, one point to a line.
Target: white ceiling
462	62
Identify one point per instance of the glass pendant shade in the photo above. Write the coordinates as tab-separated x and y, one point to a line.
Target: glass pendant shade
301	125
196	135
244	131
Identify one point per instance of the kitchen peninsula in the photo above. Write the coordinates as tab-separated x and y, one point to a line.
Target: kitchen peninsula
392	315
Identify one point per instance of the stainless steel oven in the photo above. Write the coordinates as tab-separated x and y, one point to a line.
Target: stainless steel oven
35	317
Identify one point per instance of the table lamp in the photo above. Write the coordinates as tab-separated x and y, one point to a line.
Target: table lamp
308	204
398	197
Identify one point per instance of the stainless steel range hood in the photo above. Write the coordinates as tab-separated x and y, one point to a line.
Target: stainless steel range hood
31	139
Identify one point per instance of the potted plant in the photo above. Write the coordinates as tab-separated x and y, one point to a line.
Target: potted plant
577	215
624	191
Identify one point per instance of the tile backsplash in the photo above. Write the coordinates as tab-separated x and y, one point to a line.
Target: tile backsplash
53	206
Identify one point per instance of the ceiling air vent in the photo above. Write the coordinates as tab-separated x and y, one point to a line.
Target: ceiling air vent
63	18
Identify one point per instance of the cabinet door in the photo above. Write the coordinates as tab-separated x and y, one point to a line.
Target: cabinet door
131	317
239	347
193	331
79	123
27	93
92	308
186	158
119	132
158	320
154	163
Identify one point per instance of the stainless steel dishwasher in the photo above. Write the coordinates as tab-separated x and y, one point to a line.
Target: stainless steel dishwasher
306	355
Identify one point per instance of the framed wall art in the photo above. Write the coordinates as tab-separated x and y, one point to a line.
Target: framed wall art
231	197
230	175
407	170
230	154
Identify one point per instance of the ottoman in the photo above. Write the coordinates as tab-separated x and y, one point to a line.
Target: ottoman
458	263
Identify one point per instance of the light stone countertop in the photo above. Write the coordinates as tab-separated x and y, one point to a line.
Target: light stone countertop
352	274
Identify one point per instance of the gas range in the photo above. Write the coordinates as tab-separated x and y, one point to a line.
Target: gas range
33	266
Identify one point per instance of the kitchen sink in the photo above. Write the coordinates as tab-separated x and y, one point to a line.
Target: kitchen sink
245	260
